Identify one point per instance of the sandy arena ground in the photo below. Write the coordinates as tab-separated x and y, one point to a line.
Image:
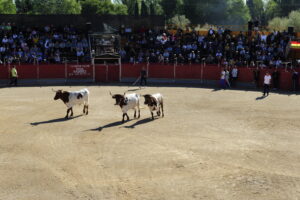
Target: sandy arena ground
211	145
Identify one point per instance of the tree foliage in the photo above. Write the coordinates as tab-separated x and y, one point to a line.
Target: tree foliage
108	8
171	7
48	6
7	7
238	12
24	6
180	21
272	10
256	8
205	11
144	9
286	6
293	20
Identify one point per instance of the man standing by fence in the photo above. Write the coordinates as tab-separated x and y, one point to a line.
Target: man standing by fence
14	76
234	76
267	83
143	77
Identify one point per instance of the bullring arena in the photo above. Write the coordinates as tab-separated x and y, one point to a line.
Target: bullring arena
211	144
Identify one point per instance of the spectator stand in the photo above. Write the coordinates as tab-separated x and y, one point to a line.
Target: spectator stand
104	48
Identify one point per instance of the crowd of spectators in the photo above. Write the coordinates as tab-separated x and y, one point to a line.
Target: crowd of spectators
216	47
52	44
47	44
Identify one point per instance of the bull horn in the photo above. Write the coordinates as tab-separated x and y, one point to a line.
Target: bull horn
110	93
54	90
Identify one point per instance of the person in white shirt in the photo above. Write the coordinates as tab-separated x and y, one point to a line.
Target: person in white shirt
234	75
267	82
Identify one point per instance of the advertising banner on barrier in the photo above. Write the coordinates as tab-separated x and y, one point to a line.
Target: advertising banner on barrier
79	71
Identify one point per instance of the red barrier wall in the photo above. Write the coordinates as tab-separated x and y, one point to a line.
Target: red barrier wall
100	73
27	72
131	70
3	72
111	73
52	71
161	71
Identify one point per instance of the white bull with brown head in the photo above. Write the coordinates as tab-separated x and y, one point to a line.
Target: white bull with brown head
155	103
127	102
71	99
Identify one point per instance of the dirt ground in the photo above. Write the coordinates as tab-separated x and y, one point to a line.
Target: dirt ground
211	145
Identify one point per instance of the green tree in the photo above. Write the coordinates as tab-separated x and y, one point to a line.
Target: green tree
136	8
272	10
55	7
278	23
108	8
294	20
152	9
180	21
256	8
90	6
286	6
24	6
171	7
238	12
144	9
205	11
7	7
130	4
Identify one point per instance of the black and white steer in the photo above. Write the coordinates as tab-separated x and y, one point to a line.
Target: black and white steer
127	102
155	103
74	98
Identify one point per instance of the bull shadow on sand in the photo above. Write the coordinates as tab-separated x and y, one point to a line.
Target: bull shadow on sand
119	123
110	125
54	120
140	122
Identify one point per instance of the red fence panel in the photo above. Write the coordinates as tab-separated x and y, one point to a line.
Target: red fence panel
188	71
183	71
113	73
285	80
211	72
245	74
27	71
100	73
131	70
161	71
3	72
52	71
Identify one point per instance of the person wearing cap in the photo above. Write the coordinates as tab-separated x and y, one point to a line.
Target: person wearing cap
267	82
14	76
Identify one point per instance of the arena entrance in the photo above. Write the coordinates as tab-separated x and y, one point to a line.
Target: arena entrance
106	60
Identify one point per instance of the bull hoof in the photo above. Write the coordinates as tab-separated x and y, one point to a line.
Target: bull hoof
66	117
158	113
87	112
